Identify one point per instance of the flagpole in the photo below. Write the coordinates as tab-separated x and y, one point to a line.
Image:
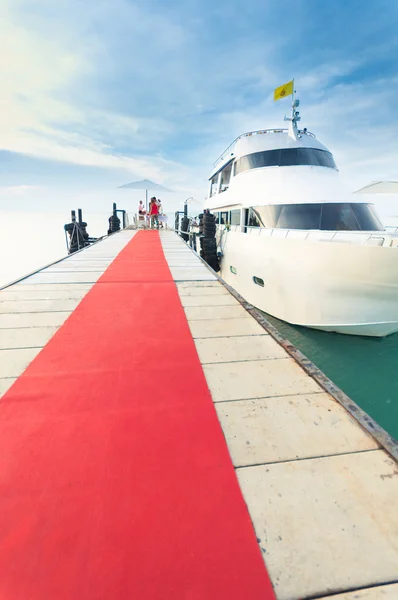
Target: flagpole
293	99
292	121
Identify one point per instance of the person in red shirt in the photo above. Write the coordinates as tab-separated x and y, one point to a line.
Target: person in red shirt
154	213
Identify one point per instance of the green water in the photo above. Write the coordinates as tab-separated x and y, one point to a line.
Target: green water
366	369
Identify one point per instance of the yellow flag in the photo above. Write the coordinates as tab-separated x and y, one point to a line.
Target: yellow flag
284	90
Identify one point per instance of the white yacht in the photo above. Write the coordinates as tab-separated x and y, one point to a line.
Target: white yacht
294	243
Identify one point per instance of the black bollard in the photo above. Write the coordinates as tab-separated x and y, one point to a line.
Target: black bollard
78	236
114	221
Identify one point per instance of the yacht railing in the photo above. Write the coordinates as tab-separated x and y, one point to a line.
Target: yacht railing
248	134
382	238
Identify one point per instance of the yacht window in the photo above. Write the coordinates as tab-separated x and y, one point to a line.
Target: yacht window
306	156
225	177
224	217
350	217
329	217
339	217
265	216
254	219
367	217
270	158
258	281
214	185
285	157
235	217
299	216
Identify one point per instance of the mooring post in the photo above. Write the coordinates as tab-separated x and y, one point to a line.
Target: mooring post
114	221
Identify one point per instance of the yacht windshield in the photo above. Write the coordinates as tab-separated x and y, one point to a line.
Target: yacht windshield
285	157
329	217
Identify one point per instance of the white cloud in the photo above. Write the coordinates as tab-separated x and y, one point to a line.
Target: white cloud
76	78
38	118
16	190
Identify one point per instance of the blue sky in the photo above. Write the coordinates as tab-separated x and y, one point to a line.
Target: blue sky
102	92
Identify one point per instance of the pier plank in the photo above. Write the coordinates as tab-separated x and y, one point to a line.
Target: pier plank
325	524
238	349
194	274
225	327
14	361
187	284
26	286
72	277
257	379
5	385
269	430
200	290
212	300
30	306
27	337
70	293
32	319
195	313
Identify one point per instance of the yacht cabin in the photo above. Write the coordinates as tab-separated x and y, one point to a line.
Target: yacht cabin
256	183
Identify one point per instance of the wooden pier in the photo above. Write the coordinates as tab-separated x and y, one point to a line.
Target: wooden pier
158	443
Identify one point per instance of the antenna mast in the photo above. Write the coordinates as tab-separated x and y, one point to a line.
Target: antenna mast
295	116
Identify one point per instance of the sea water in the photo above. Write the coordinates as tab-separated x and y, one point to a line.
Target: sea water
365	368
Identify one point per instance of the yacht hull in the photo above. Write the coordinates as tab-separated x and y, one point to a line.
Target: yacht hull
345	288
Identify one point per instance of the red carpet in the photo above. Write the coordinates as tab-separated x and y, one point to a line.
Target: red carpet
115	479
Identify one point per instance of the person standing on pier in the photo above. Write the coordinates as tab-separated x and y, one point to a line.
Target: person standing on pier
160	209
154	213
142	216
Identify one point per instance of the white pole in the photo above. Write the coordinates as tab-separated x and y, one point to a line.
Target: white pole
292	132
293	99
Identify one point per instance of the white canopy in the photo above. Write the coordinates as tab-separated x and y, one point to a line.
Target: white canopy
379	187
145	184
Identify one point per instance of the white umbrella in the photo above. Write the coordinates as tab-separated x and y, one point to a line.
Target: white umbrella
380	187
147	185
